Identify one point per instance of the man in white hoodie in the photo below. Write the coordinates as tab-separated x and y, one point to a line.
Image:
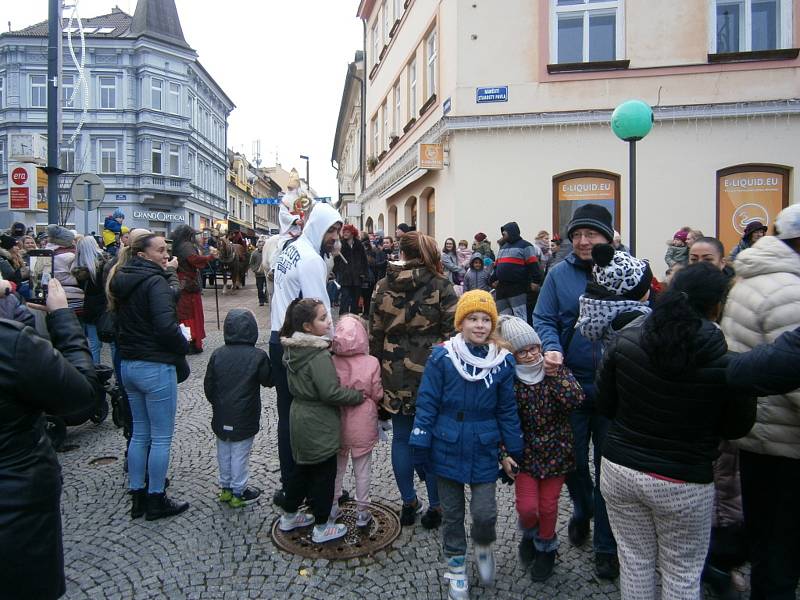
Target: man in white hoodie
291	228
300	271
764	303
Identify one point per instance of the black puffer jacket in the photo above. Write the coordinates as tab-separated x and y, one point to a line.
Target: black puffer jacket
665	425
34	378
147	325
353	270
769	369
94	291
234	378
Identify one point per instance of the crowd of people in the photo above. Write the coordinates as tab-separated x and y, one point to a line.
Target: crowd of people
510	365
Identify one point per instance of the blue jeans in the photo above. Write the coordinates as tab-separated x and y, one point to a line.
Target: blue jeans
95	345
153	395
585	495
234	462
403	466
333	292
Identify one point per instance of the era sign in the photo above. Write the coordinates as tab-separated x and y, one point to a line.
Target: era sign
22	185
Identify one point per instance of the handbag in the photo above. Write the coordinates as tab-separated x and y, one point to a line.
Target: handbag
107	326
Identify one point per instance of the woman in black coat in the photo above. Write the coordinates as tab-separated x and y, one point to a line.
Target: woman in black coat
152	348
664	386
37	377
351	269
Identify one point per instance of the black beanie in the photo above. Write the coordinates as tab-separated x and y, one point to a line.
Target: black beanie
7	242
592	216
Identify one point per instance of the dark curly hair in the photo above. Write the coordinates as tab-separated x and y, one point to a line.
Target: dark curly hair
668	335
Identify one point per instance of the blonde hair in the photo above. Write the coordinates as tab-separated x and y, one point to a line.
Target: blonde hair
139	240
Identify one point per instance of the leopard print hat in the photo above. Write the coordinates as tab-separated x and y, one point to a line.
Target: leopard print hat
620	273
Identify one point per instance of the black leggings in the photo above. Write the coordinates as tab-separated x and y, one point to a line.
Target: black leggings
315	482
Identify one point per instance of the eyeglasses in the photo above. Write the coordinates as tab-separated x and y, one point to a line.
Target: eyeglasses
527	352
589	235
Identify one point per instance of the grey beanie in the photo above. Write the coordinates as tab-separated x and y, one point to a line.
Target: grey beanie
60	236
517	332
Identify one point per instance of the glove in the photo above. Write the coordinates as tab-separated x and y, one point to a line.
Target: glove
383	414
420	459
502	476
384	427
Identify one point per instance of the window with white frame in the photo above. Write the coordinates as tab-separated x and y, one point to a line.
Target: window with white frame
108	156
191	102
156	94
38	91
430	56
385	17
2	90
398	125
412	88
750	25
376	44
586	30
174	159
375	136
155	157
173	98
2	157
108	91
66	159
385	114
191	167
67	89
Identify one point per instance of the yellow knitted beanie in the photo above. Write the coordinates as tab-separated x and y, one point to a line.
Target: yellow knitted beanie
476	301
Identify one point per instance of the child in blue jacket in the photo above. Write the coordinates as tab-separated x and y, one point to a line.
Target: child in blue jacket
465	408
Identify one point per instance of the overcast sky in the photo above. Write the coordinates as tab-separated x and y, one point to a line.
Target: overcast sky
282	62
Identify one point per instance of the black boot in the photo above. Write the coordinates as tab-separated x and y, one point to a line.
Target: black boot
159	506
543	565
720	581
138	501
527	551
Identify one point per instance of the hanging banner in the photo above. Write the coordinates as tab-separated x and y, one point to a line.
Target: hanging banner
572	192
744	196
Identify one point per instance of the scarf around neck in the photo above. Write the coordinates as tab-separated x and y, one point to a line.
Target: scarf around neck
531	373
482	368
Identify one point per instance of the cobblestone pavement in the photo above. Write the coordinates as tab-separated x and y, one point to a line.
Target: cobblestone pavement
213	551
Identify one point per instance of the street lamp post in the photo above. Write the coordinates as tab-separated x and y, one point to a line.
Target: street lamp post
630	122
308	180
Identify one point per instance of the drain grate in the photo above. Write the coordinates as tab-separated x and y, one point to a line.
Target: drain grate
102	461
383	530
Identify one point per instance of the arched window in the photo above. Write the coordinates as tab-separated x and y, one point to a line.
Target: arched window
576	188
368	225
747	193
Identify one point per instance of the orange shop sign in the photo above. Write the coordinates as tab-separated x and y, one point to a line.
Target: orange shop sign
745	196
431	156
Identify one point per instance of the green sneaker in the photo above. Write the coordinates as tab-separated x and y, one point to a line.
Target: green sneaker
225	495
249	495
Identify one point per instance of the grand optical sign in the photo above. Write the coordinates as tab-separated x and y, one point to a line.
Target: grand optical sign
153	215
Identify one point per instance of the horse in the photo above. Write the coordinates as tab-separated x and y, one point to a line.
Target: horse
233	258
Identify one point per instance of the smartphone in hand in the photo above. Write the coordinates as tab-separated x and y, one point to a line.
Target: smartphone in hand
41	269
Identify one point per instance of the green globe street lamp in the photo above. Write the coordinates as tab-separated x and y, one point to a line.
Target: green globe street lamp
630	122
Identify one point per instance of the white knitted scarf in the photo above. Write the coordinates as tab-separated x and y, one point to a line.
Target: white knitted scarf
482	368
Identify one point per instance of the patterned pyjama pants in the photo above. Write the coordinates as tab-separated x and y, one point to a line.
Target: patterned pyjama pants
658	524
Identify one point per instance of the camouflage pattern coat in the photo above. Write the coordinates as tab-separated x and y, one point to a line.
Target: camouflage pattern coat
412	310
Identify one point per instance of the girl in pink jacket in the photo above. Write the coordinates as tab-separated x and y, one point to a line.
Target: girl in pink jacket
357	370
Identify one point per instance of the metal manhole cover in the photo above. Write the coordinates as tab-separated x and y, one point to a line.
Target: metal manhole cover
102	461
383	530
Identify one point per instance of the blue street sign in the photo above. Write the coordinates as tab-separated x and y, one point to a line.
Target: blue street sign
272	201
448	104
122	197
491	94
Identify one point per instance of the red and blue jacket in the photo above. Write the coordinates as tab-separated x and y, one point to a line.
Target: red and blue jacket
518	264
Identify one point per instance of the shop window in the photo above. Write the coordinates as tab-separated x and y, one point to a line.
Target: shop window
586	31
575	189
750	25
747	193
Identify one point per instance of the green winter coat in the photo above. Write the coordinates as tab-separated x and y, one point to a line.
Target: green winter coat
314	423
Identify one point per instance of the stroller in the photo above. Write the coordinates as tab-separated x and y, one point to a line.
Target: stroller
56	426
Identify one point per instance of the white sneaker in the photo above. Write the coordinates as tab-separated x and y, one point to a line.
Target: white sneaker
291	521
363	518
328	532
484	556
457	575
